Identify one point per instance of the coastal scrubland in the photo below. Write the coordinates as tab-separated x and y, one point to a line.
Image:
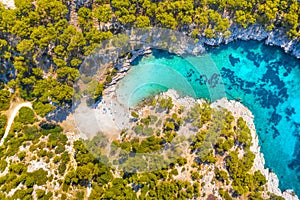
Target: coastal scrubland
42	45
41	161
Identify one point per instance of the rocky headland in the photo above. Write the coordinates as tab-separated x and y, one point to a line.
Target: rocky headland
239	110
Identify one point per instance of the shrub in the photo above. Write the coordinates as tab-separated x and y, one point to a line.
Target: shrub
134	114
26	116
3	121
4	99
3	165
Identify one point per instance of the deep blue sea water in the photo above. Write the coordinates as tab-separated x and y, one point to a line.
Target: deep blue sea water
263	78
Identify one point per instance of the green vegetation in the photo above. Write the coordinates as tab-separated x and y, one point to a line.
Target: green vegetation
46	50
200	115
39	140
3	121
215	142
40	55
165	104
134	114
26	116
4	99
212	18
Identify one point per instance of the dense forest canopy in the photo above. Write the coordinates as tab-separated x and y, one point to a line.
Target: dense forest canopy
43	42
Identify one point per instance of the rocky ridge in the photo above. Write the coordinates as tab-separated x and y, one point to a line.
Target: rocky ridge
276	37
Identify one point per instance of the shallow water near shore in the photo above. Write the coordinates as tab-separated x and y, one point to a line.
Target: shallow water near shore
263	78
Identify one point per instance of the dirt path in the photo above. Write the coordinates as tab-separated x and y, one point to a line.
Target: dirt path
11	118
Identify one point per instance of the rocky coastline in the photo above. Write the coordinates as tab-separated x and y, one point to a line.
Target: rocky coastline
239	110
276	37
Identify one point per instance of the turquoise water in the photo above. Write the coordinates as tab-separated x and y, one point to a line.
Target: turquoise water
263	78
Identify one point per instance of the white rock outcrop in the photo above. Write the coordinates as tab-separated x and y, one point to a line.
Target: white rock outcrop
276	37
8	4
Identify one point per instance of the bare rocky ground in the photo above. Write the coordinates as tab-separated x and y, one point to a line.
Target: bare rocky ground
8	3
